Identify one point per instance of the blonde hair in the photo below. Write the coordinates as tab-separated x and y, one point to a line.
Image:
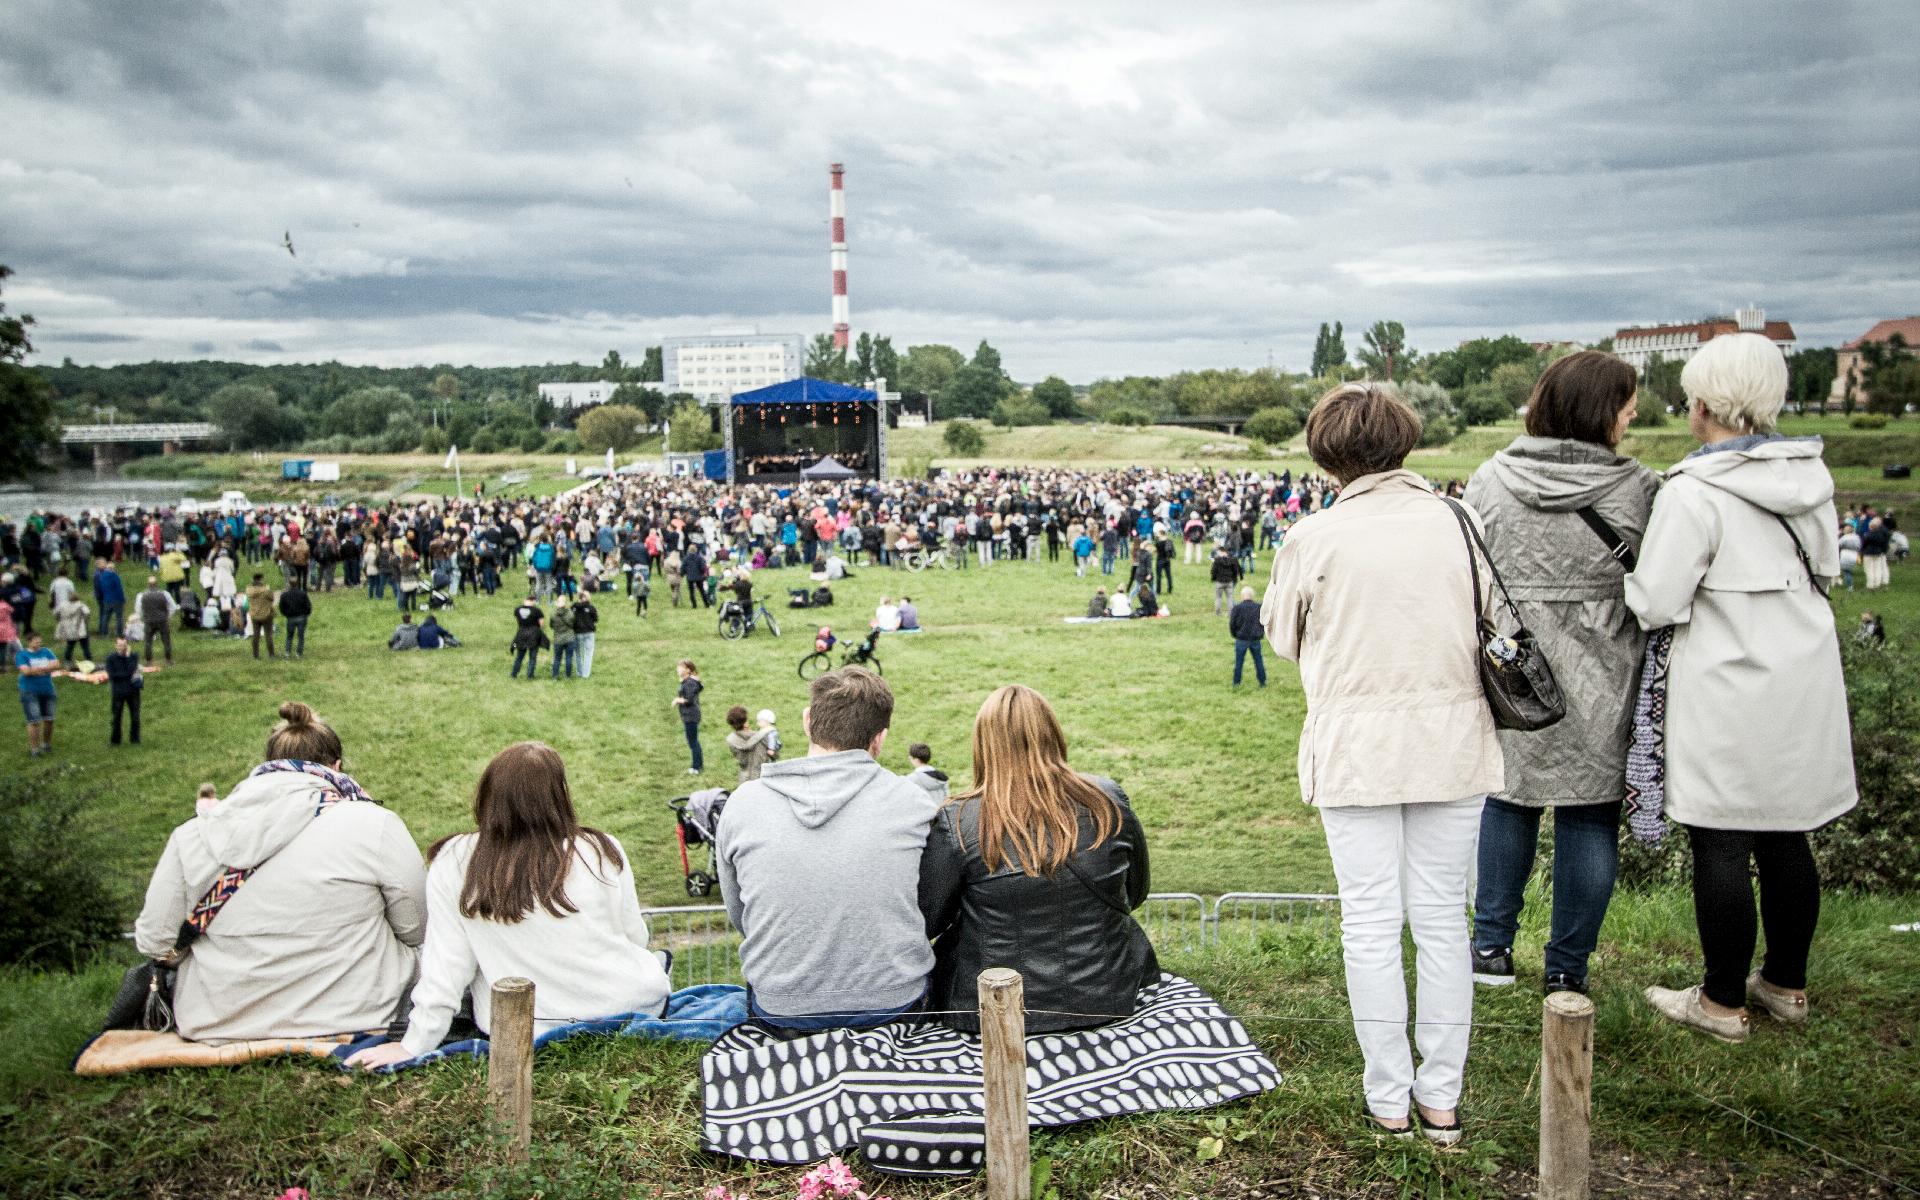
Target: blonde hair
1030	799
1740	379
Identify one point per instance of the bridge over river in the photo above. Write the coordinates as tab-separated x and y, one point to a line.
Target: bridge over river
107	440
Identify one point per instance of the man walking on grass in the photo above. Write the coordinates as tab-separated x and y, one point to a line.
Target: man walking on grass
260	608
1244	624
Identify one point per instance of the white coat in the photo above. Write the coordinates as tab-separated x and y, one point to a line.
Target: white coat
1757	734
1374	599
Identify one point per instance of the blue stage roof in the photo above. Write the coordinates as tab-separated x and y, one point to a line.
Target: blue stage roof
805	391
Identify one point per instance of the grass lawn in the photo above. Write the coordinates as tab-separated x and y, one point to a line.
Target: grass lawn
1211	772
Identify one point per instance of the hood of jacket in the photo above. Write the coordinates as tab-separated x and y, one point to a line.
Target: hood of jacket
816	788
260	816
1560	474
1785	476
742	739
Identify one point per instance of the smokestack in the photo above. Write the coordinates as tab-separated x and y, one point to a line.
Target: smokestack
837	256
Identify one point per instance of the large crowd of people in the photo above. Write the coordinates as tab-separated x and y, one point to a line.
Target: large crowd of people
1685	620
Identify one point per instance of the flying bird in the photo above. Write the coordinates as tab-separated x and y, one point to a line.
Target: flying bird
286	239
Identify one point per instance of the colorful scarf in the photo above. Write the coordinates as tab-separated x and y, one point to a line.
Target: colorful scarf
1647	752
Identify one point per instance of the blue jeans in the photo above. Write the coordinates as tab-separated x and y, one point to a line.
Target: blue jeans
583	653
815	1022
529	655
117	614
693	744
1106	562
1241	648
376	586
562	659
1586	854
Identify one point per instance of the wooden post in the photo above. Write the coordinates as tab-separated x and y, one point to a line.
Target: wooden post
1003	1051
510	1064
1566	1096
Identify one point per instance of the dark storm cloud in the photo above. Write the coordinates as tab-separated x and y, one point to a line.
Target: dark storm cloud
1162	187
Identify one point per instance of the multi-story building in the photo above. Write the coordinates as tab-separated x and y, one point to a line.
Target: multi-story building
1847	362
577	395
1678	343
714	367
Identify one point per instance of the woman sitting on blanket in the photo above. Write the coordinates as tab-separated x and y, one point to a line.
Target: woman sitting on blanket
1038	868
317	898
533	893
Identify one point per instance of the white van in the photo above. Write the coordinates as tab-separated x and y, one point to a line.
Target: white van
235	502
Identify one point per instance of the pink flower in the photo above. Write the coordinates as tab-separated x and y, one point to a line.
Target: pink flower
295	1193
719	1192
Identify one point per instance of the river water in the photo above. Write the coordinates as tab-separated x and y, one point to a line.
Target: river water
72	492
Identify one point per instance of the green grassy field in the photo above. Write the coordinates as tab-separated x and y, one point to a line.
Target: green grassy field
1211	771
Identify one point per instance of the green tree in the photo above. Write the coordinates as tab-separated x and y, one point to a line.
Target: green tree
1484	404
827	361
1810	375
1056	396
1439	418
861	367
690	428
1660	385
611	426
927	369
650	402
986	357
1274	426
1514	381
1143	396
364	412
886	362
973	391
964	439
29	426
613	369
653	367
1475	361
445	387
1384	349
1336	352
1887	377
1020	410
251	417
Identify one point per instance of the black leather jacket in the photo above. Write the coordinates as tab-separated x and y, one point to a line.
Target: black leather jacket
1072	937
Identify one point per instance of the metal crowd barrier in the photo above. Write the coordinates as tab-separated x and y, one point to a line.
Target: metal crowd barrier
707	950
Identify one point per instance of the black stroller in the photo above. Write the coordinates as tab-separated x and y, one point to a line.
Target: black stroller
820	597
696	819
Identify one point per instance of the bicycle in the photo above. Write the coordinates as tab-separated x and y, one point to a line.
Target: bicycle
736	622
920	560
856	655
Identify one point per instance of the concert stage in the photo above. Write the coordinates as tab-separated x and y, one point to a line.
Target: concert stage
774	433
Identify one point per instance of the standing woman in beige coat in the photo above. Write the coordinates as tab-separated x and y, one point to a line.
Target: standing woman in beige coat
1737	558
1373	597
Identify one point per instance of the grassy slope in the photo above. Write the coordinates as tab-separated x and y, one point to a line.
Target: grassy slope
1210	770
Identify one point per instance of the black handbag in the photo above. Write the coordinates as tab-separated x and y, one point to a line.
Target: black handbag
145	998
1514	672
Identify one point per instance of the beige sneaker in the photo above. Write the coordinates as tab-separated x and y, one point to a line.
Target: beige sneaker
1781	1005
1683	1007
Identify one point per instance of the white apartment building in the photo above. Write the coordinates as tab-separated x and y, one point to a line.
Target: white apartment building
1678	343
577	395
714	367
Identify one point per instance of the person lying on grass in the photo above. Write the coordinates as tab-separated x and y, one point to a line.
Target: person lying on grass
532	893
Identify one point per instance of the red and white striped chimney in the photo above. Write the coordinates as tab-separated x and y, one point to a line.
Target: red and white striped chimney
837	254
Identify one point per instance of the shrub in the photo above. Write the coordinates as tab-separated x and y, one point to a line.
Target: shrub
963	438
1650	413
434	441
1020	410
532	440
1484	405
1275	426
567	442
1437	431
486	441
1868	420
1128	416
1877	845
55	905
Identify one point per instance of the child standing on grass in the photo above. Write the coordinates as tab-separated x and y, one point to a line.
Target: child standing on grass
687	701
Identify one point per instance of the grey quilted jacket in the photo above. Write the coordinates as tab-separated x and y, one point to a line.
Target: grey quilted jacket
1571	595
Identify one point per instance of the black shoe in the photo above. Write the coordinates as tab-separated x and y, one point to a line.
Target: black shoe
1493	968
1385	1130
1563	983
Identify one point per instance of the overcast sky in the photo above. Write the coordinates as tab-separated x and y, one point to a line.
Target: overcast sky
1098	189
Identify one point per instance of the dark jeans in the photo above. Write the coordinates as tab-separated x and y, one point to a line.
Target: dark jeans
376	586
297	630
86	648
697	593
693	744
1241	648
164	631
1163	583
1586	854
131	706
263	629
528	655
562	659
1723	907
116	614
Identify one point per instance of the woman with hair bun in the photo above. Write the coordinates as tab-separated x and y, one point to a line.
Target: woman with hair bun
531	893
294	907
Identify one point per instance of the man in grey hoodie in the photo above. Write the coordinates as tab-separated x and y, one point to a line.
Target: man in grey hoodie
819	862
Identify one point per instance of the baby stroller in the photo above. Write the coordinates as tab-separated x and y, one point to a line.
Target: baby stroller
440	595
820	597
696	819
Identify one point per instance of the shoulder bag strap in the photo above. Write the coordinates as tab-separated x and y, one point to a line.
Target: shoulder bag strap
1473	540
1812	579
1616	545
224	886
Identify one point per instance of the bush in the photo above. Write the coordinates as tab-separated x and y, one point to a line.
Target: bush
964	439
403	433
532	440
1275	426
1649	413
1020	410
486	441
1877	845
1128	416
434	441
1484	405
563	443
1868	420
55	905
1437	431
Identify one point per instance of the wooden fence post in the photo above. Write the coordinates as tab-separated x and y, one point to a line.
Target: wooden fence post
510	1064
1003	1049
1566	1096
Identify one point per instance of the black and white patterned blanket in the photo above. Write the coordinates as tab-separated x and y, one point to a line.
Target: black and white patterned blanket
909	1095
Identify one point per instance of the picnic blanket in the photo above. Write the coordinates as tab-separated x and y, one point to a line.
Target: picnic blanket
124	1051
910	1096
1107	620
697	1014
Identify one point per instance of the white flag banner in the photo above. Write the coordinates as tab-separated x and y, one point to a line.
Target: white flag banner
453	455
609	458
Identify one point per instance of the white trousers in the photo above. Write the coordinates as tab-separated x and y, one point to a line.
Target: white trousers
1876	565
1401	864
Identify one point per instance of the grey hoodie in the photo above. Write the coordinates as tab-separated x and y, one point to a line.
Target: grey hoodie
819	863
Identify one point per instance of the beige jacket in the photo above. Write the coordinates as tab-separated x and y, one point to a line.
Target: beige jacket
1757	730
1373	598
321	939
